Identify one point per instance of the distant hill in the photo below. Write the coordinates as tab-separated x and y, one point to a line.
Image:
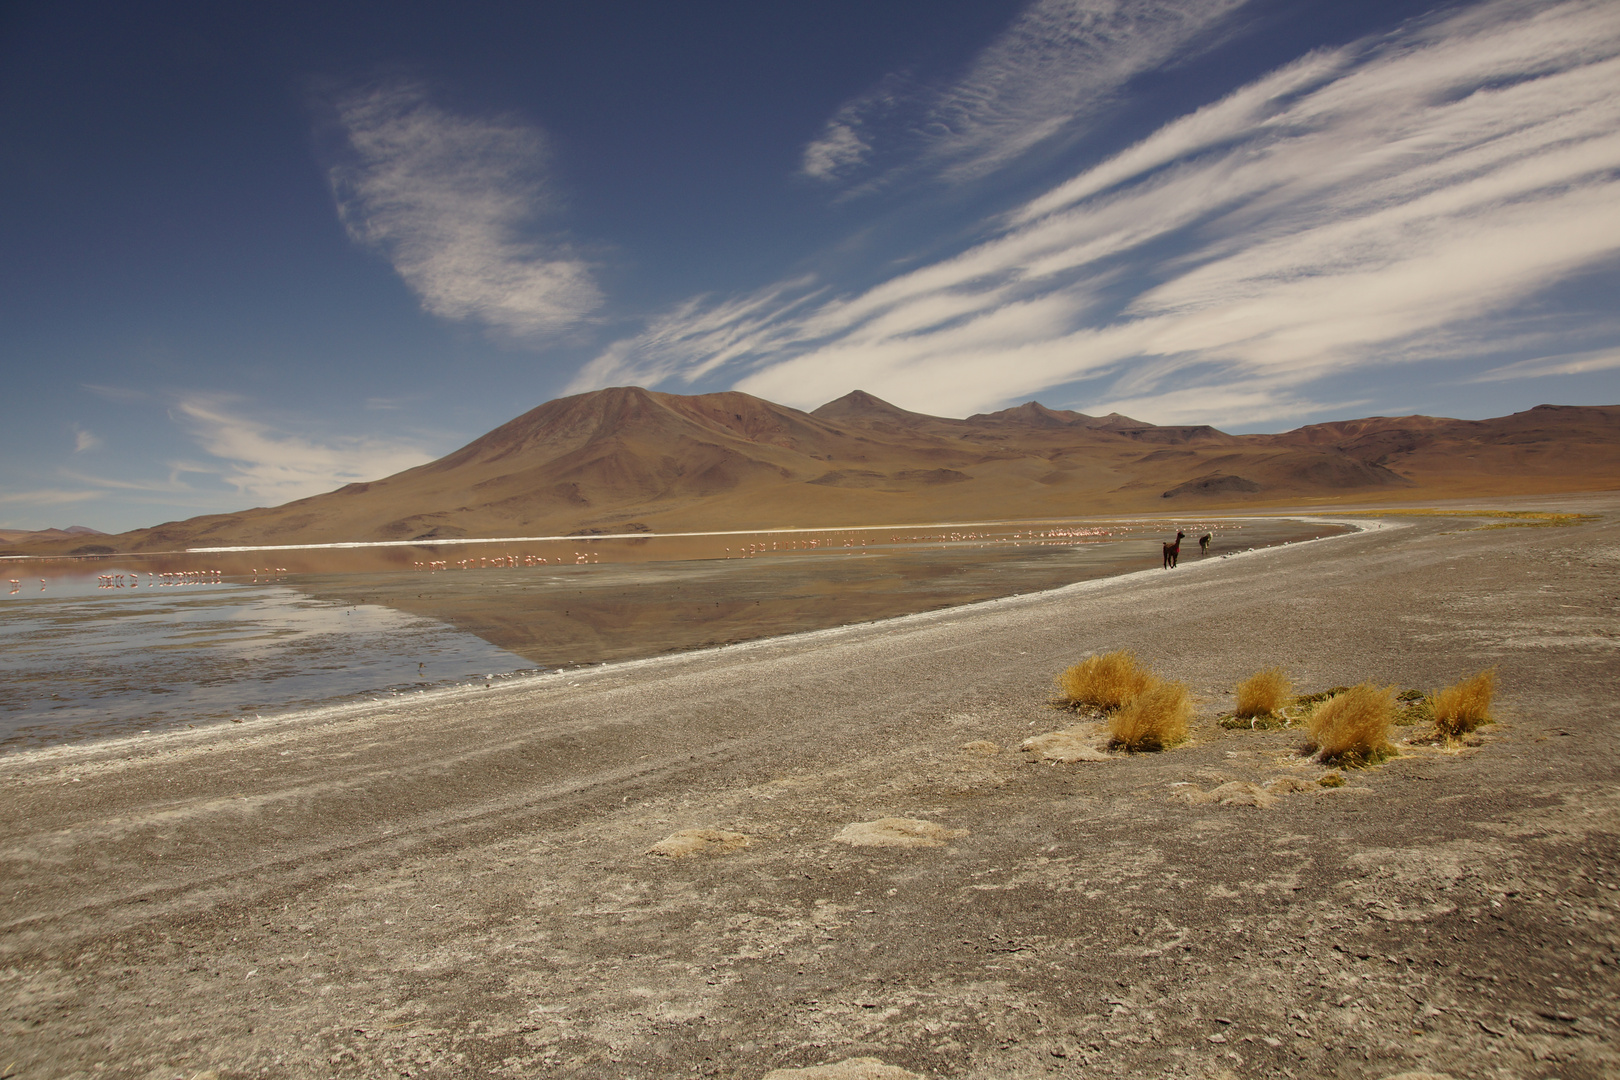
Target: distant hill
628	459
72	532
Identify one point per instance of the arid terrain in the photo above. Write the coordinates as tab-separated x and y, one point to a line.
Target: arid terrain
628	460
486	883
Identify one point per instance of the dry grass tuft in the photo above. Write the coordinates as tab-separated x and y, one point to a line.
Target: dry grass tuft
1352	728
1331	780
1460	708
1106	681
1075	744
1413	708
1263	693
1153	719
1308	700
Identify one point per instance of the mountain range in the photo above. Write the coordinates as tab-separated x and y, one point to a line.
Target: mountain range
632	460
13	536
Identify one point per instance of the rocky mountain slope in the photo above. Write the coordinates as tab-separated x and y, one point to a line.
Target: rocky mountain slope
628	459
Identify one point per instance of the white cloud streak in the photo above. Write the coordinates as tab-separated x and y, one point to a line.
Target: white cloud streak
174	485
276	466
845	143
1375	204
52	497
1583	363
452	202
1058	66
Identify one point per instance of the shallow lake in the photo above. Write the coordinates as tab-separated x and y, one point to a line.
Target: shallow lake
91	647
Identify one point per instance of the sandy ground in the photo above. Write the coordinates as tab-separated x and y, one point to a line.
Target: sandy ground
461	886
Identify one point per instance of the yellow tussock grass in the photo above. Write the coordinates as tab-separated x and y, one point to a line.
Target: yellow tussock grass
1462	707
1263	693
1153	719
1106	681
1353	727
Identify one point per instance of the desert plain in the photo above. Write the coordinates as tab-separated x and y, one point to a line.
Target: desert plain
827	846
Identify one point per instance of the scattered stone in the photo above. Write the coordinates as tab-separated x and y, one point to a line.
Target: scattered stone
1287	785
1418	1075
897	832
693	841
861	1068
1072	744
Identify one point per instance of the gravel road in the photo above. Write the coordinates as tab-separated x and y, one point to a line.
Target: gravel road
459	884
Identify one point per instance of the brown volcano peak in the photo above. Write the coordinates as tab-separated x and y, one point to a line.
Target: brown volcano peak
858	403
1033	414
730	460
858	409
862	409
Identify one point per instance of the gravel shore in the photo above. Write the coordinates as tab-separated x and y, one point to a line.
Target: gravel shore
460	885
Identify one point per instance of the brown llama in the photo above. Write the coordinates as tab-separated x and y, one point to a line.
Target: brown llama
1173	551
1203	543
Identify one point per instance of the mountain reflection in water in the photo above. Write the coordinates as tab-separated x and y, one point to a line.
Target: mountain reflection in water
128	643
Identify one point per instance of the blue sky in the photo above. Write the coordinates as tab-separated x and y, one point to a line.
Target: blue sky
253	252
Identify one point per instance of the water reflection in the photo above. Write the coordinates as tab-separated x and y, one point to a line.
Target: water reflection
75	666
107	644
213	566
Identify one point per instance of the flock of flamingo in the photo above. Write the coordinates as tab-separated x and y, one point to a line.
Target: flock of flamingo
485	562
1049	537
160	578
849	543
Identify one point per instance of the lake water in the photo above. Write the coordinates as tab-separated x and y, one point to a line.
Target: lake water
92	647
78	664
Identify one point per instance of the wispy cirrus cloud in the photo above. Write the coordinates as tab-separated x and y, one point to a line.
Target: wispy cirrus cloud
453	202
700	336
1540	367
174	485
277	466
1401	199
847	141
1058	66
47	497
